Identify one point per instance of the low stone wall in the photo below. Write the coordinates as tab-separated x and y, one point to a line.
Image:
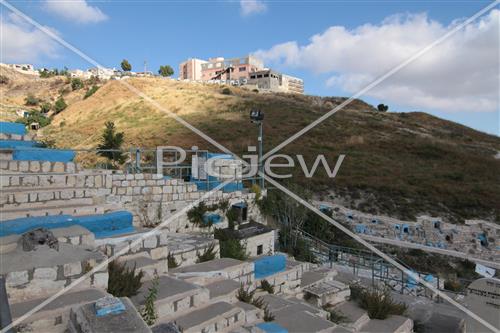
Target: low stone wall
288	281
38	166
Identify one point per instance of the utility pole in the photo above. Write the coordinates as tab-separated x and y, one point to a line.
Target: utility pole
257	117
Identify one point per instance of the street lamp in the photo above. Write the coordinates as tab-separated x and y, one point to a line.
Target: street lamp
257	117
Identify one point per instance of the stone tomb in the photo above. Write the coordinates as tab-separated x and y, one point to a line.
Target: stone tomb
483	298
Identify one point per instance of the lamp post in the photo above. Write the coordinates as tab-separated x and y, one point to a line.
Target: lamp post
257	117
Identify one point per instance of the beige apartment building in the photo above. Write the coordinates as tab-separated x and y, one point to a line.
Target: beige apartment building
191	69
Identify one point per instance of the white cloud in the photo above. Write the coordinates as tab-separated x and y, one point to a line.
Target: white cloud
249	7
76	10
21	42
460	74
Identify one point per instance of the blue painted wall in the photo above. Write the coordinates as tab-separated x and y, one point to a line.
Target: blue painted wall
12	128
102	225
269	265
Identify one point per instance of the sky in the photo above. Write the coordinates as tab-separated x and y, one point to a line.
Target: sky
337	47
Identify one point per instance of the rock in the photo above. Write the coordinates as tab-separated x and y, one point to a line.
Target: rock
41	236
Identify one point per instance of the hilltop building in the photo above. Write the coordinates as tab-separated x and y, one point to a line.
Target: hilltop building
274	81
246	71
191	69
23	68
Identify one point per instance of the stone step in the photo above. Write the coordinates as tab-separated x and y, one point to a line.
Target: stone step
217	317
143	262
13	181
54	316
45	271
355	316
393	324
66	209
215	270
223	291
75	235
9	165
174	297
47	195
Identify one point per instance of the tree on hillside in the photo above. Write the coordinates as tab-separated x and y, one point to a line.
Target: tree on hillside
111	140
45	107
166	70
382	107
126	66
60	105
31	100
76	83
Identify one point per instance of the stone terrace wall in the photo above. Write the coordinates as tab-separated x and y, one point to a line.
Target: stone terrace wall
152	199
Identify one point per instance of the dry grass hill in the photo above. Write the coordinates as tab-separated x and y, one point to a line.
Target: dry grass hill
402	164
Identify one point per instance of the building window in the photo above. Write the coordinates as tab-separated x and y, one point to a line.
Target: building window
242	69
260	249
266	75
259	76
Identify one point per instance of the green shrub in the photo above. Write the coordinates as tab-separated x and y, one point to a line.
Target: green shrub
245	295
379	304
195	215
90	92
171	262
207	255
266	286
60	105
258	302
31	100
336	317
258	192
122	281
268	315
45	107
226	91
453	285
232	248
148	312
76	84
34	117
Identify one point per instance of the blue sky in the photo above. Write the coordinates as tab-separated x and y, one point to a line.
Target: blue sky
355	42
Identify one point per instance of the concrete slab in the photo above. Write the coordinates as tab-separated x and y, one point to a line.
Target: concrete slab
209	266
301	321
393	324
167	287
356	316
215	317
84	320
44	256
223	288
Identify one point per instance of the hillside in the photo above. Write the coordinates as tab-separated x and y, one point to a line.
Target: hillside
397	164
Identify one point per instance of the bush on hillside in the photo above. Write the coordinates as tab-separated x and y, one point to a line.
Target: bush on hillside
226	91
76	84
45	107
90	92
31	100
4	79
122	281
60	105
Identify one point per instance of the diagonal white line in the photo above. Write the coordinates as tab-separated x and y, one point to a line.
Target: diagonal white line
372	248
116	255
69	46
382	78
